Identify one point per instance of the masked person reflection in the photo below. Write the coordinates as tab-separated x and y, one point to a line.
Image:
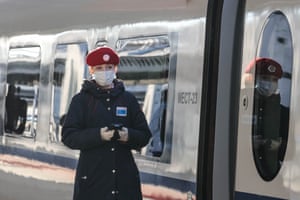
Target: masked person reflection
105	122
269	128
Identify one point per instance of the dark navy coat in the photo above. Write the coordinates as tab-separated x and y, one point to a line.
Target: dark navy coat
105	170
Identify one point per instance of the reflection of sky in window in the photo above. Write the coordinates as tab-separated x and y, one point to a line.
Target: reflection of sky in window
61	53
28	52
24	64
145	54
101	43
158	44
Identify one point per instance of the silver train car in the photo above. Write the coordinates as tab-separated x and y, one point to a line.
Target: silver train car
43	65
186	62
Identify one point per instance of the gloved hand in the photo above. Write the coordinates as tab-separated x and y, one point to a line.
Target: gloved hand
106	134
123	134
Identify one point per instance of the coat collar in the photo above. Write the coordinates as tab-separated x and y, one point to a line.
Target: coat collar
90	86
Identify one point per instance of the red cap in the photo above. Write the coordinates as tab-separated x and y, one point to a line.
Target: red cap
102	55
265	66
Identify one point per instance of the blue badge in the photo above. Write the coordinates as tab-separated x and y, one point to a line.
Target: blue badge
121	111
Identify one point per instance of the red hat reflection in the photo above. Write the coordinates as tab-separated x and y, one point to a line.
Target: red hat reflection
265	66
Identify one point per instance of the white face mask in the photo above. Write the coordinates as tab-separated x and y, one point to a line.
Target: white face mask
104	78
266	88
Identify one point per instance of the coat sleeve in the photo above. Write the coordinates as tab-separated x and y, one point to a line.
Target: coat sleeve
139	133
75	134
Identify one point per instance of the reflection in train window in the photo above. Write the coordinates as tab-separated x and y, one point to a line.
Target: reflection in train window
23	75
271	109
144	68
69	71
101	43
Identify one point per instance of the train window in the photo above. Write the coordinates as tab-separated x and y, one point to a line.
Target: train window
144	67
272	96
23	75
69	71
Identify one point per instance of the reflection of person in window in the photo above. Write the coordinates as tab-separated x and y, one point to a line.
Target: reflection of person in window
157	125
22	114
16	111
11	110
270	118
163	115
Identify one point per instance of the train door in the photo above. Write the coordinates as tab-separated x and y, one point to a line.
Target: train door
23	76
265	147
219	99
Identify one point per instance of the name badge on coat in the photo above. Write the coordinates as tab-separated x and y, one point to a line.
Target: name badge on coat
121	111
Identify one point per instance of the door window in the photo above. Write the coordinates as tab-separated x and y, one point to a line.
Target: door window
273	68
